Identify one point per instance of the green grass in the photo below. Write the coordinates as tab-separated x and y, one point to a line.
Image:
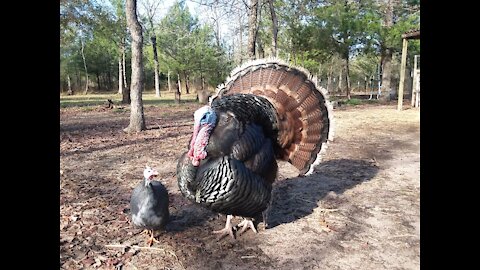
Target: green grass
354	101
96	99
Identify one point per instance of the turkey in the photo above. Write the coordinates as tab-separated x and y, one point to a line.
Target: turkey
149	204
267	110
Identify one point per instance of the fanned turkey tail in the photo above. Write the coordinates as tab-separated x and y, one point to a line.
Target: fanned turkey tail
304	121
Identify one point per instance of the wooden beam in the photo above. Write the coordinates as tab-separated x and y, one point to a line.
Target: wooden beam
402	74
412	35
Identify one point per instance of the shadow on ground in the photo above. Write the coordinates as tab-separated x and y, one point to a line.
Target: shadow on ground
296	198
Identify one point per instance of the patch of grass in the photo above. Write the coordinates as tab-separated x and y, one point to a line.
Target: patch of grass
120	110
371	101
96	99
87	109
358	101
81	100
353	101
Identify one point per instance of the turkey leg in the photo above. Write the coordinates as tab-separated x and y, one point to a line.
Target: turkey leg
245	224
228	230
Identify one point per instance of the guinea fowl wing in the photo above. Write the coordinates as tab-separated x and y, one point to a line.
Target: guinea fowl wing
149	205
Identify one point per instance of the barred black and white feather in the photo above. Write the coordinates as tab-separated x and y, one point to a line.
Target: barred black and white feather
266	110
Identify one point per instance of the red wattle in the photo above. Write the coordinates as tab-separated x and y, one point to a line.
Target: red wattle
192	142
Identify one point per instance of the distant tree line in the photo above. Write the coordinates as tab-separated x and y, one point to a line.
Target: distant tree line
347	44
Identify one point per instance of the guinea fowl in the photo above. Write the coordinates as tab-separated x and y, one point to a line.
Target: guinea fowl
149	204
267	110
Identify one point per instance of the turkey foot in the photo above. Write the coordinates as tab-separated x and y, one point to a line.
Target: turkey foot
247	223
228	230
151	239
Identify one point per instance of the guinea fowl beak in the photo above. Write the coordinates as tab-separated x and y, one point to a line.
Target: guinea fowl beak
154	173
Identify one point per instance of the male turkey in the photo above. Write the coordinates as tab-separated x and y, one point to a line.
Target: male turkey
149	204
266	110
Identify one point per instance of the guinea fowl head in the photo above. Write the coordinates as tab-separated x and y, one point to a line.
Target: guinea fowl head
149	173
205	120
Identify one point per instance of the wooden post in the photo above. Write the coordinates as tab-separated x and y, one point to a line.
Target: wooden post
417	89
414	88
402	74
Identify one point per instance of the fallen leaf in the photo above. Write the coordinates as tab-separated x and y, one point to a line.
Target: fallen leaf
88	261
66	239
97	263
112	261
102	258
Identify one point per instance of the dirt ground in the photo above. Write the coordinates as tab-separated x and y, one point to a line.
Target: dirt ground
359	210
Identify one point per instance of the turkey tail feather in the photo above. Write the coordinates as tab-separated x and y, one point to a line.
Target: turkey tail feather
304	114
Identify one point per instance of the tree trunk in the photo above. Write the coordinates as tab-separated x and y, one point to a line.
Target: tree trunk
365	84
126	95
79	79
329	80
178	90
217	24
168	80
122	79
240	38
70	92
98	80
85	66
137	119
340	80
387	74
187	88
261	51
120	76
274	28
386	53
109	80
252	28
155	63
319	75
125	84
347	76
179	83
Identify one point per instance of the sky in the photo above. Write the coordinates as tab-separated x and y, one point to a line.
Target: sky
166	4
195	9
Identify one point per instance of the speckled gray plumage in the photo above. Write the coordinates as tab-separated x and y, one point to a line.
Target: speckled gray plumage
149	205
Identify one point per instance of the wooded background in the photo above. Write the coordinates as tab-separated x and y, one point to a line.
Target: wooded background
351	46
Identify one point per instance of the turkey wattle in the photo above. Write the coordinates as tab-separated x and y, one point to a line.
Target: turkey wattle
149	204
267	110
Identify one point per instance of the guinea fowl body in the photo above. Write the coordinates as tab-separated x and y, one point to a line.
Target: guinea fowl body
149	205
